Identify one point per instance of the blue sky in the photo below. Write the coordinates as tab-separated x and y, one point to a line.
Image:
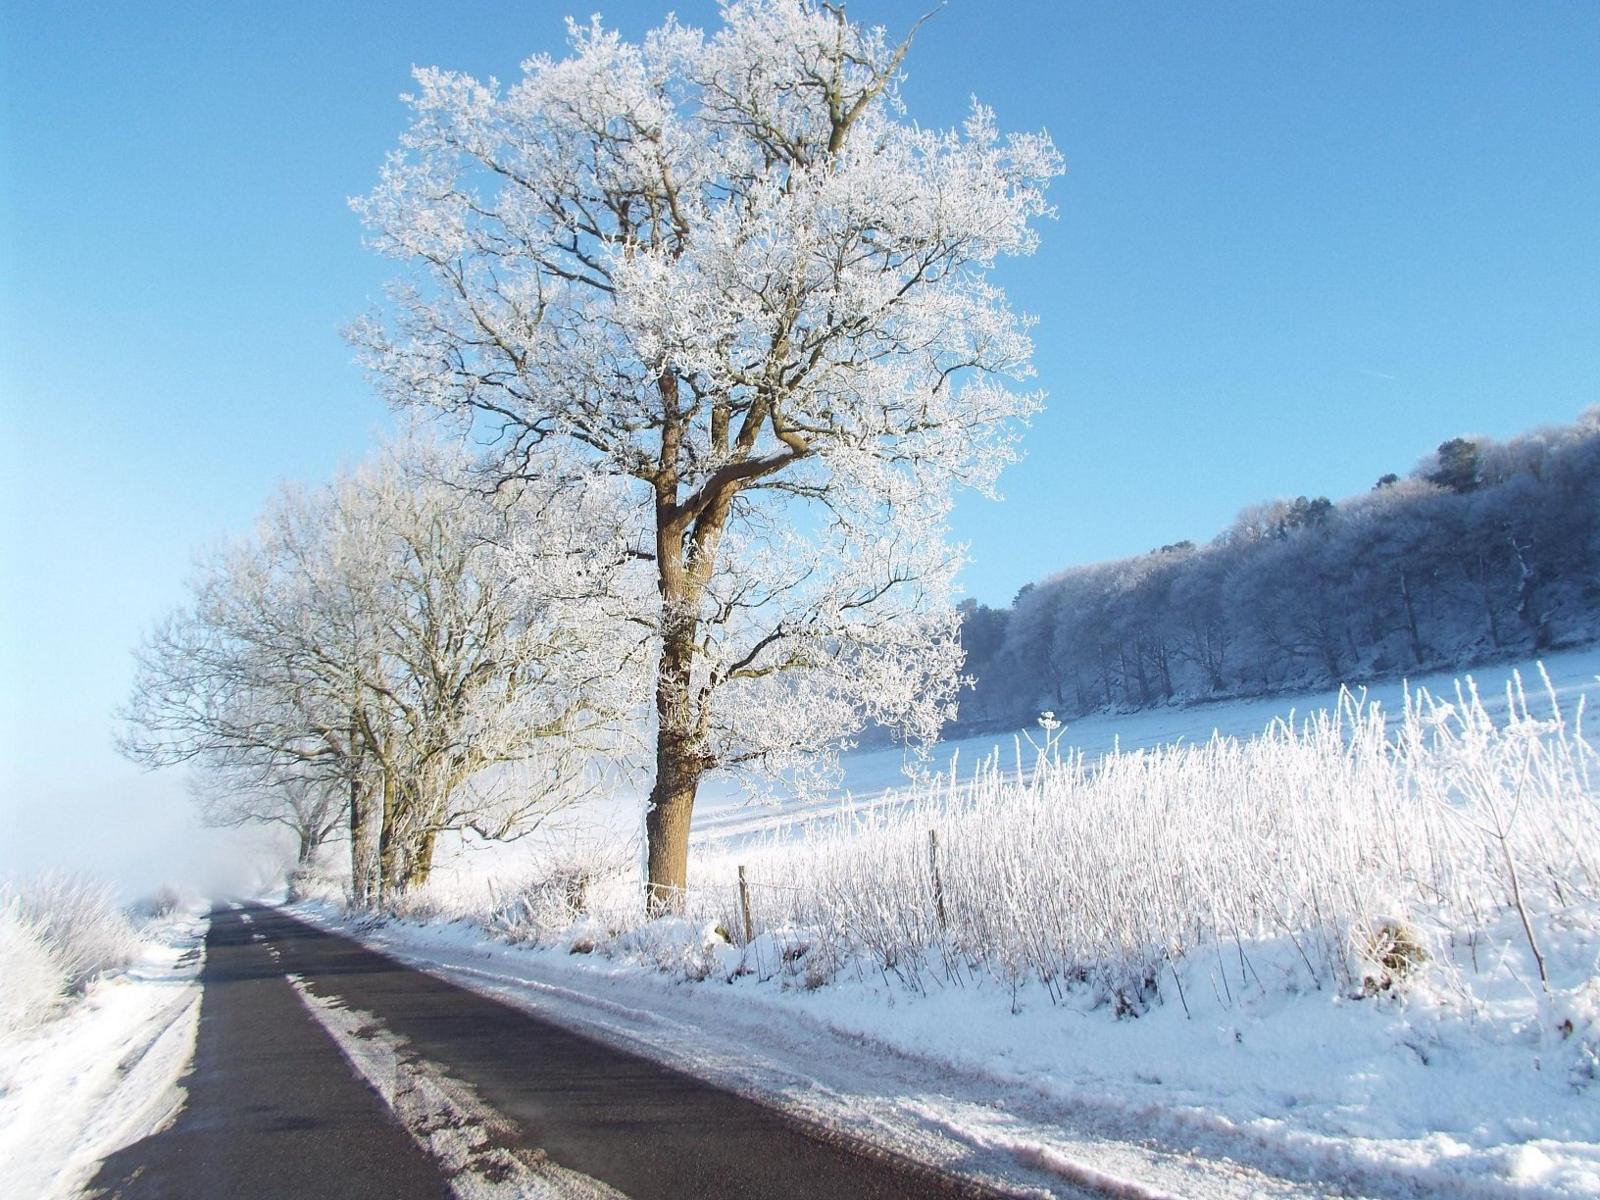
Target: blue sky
1298	246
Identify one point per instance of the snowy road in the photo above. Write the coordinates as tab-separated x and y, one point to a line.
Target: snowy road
317	1057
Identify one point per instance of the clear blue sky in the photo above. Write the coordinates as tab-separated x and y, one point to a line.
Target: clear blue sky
1298	246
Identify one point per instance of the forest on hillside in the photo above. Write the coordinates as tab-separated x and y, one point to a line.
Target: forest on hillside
1486	549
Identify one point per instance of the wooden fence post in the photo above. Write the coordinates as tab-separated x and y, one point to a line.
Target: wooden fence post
744	905
938	884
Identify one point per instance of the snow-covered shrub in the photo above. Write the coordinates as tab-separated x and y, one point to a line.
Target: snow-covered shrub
549	901
1577	1016
162	902
583	892
31	983
1391	954
78	922
1427	854
421	904
684	949
315	884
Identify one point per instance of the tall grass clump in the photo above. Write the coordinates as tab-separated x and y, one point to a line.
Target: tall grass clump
58	933
31	984
1365	846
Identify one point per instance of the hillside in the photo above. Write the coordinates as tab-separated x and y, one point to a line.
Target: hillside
1486	550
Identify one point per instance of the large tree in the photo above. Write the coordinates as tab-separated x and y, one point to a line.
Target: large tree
727	268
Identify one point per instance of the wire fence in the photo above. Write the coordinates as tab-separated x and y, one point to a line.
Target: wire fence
1334	842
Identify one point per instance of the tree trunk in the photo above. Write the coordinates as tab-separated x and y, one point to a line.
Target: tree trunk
360	845
388	842
1486	594
1417	652
1140	674
1164	662
1534	617
666	827
679	766
419	862
686	556
1328	647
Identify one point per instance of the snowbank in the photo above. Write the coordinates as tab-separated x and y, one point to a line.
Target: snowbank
103	1073
1275	1095
58	934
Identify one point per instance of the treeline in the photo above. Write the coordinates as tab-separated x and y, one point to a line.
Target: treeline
1487	548
396	655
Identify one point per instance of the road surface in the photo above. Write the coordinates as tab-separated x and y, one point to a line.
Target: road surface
276	1112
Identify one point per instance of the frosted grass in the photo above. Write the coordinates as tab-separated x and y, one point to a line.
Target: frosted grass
58	933
1349	840
1338	832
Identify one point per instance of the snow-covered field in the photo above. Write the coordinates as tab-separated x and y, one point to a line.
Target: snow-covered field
878	777
103	1073
1315	952
1294	961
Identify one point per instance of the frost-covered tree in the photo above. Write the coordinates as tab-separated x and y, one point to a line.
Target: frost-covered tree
404	639
1500	552
252	679
1205	629
312	805
727	268
498	647
1392	552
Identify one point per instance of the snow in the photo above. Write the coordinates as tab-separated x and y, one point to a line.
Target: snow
1276	1095
443	1114
1483	1088
104	1074
34	981
1253	1075
786	1054
727	816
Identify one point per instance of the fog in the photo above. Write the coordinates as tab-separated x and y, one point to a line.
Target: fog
137	831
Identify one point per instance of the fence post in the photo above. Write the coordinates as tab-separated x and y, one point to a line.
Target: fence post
938	884
744	905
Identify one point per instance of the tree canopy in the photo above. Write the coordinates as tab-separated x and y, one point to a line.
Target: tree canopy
725	268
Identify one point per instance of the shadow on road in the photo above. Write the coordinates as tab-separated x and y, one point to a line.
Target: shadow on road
651	1132
272	1112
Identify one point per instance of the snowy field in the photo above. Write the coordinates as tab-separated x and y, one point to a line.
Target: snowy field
879	777
1357	952
101	1073
728	817
1304	959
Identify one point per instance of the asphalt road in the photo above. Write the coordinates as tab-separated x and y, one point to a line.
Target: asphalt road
273	1109
274	1112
